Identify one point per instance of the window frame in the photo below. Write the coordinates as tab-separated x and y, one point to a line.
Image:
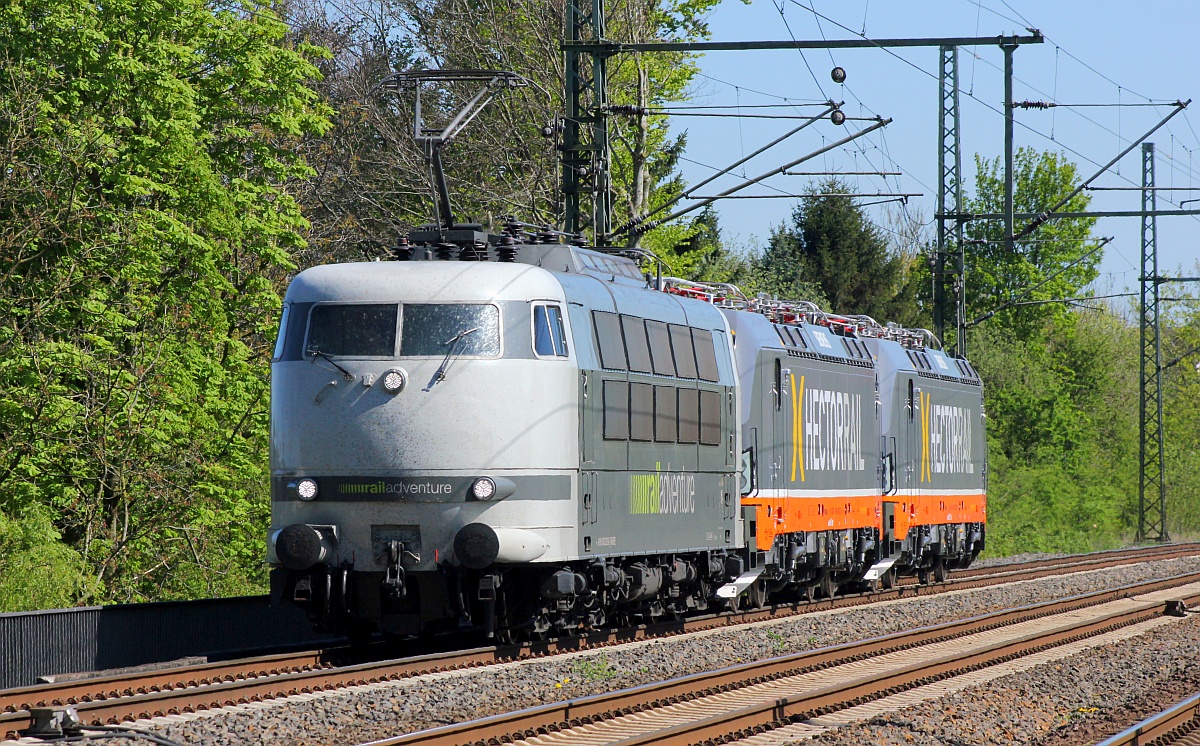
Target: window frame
711	346
304	353
684	335
687	393
668	392
612	384
634	433
708	423
667	351
596	315
640	324
281	340
546	305
499	330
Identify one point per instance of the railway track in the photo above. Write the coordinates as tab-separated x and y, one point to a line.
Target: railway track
1179	724
780	700
116	699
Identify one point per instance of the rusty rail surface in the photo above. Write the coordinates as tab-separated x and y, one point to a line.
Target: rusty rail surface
118	698
774	712
1178	724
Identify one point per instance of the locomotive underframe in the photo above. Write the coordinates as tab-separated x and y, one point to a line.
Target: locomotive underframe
533	601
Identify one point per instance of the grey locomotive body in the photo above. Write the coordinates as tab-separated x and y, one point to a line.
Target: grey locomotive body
934	449
535	439
527	445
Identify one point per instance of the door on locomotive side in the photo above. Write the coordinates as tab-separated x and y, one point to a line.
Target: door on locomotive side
912	440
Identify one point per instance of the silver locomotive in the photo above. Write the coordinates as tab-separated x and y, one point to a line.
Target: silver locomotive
535	438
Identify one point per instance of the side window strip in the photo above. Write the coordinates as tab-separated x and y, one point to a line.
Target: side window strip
660	348
608	338
706	354
681	346
636	344
616	410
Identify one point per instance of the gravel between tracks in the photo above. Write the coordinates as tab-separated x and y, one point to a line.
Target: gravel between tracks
1031	707
1072	702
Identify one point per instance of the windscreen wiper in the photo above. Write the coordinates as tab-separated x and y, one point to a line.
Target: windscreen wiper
453	342
345	373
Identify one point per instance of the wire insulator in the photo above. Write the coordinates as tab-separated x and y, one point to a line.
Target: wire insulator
507	250
444	250
402	251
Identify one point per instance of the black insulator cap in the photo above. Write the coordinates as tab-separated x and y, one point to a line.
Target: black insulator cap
444	250
838	74
580	241
298	547
837	117
402	251
507	250
476	546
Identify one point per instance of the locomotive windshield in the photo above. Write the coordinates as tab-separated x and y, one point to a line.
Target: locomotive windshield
352	330
429	329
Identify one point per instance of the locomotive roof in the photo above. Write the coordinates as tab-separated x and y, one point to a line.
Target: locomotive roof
892	357
436	281
800	339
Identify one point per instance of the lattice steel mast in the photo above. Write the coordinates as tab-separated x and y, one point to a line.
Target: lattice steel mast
949	261
1152	491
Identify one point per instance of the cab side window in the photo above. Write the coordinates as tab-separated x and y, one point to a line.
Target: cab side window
549	334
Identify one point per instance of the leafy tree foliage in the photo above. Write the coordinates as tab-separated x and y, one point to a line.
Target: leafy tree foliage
144	230
372	180
833	252
1053	259
1061	383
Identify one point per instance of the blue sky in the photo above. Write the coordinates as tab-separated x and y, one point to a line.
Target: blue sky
1097	52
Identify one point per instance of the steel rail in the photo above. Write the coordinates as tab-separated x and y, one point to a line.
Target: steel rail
117	698
1172	725
586	711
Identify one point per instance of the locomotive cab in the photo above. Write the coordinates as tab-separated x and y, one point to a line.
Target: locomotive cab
422	417
530	438
934	457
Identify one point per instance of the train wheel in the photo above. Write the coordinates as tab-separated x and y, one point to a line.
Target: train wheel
923	577
888	579
940	573
810	593
756	595
828	586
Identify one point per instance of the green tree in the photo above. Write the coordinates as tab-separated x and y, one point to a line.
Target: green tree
144	232
1062	434
373	182
704	255
833	247
1054	258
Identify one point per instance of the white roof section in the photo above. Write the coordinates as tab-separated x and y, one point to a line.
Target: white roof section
430	282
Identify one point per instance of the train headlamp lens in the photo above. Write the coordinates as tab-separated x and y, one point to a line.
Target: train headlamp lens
393	381
306	489
483	489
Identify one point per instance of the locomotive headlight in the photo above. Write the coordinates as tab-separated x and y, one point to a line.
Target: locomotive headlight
393	381
484	488
306	489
